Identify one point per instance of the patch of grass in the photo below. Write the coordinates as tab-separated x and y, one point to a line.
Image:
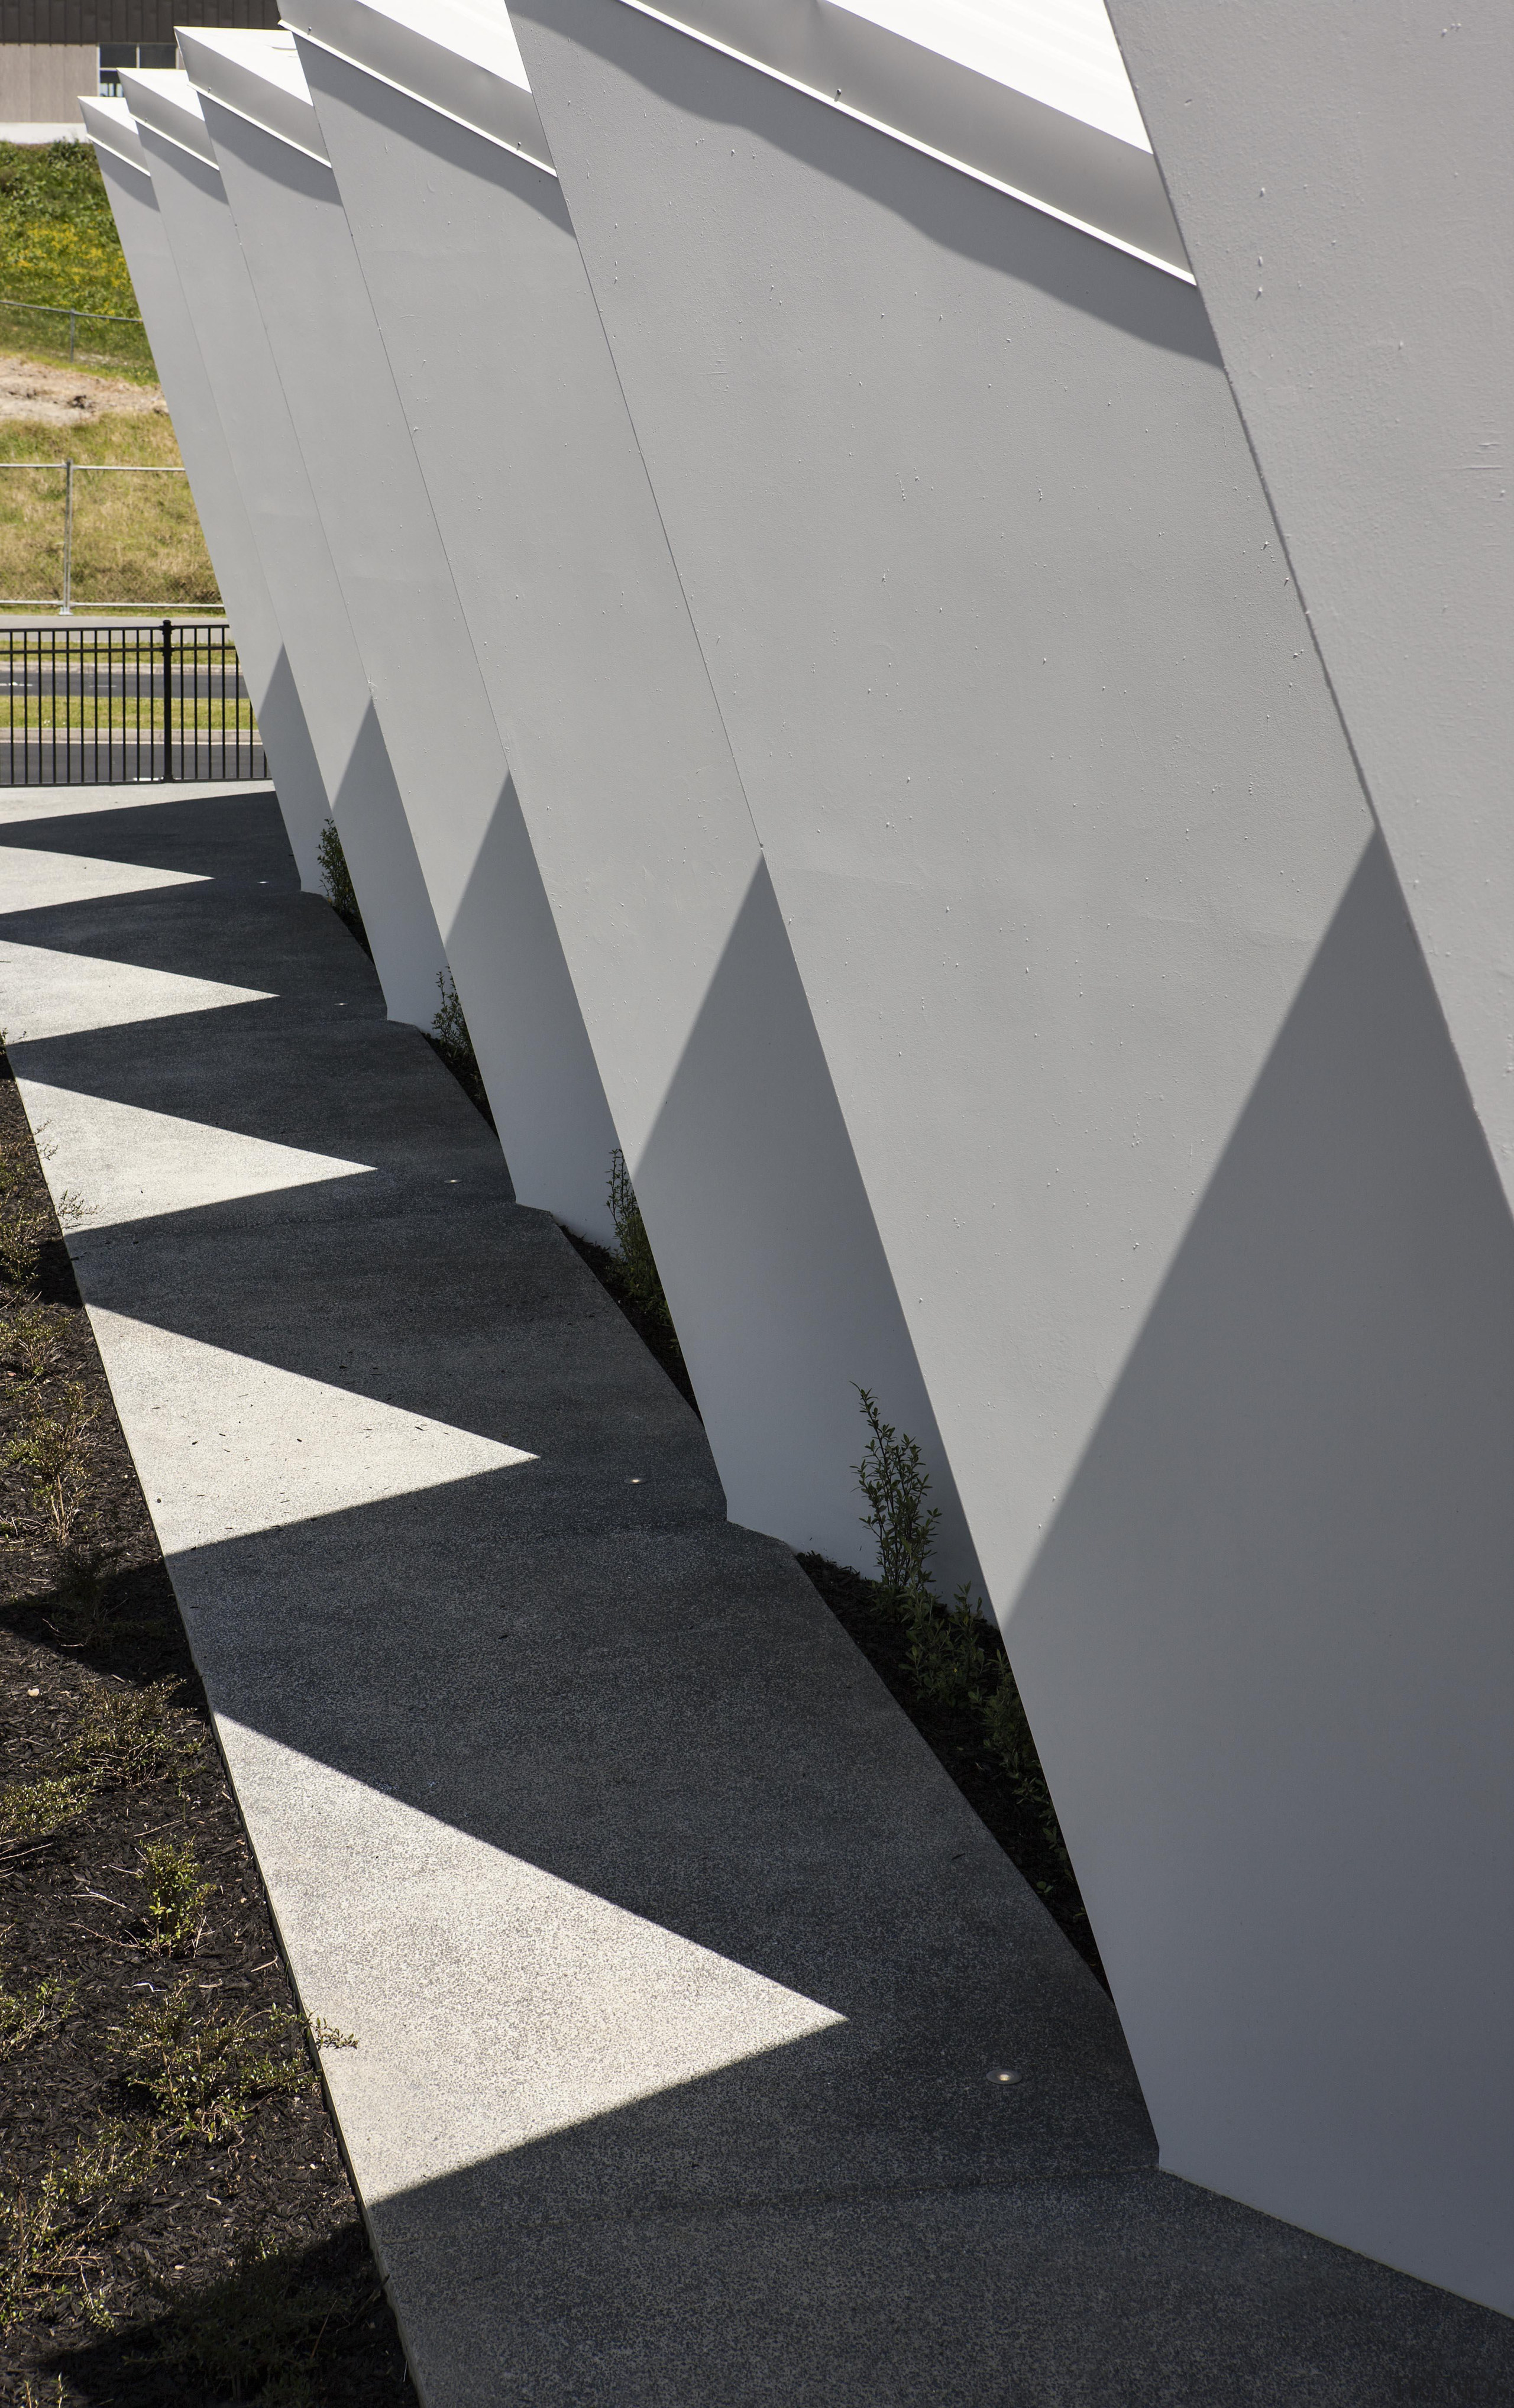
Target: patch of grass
338	880
176	1898
53	1447
25	2015
58	236
137	541
53	2230
126	1737
33	1811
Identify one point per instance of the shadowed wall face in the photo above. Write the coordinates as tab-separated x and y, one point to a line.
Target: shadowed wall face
1085	897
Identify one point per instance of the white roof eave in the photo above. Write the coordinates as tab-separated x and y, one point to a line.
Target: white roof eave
955	103
458	59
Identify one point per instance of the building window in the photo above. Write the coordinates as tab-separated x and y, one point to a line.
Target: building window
116	55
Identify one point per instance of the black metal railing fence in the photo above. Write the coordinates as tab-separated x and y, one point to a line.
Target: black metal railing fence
119	705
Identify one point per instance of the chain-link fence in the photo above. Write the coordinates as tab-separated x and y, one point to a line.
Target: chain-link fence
77	536
90	338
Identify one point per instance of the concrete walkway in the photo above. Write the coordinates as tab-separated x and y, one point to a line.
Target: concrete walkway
679	1968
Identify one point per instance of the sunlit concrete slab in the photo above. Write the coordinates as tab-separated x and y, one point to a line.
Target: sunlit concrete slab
58	993
677	1969
328	672
778	1285
217	500
1208	1274
136	1163
1346	185
439	729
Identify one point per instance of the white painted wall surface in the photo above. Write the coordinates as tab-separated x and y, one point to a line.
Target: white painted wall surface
328	673
1207	1269
450	767
228	535
1346	180
772	1266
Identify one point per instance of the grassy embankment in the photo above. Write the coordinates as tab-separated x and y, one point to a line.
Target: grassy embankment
137	541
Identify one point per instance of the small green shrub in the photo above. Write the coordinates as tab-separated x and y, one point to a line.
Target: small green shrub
202	2073
24	2015
128	1737
634	1264
25	1228
53	1447
176	1897
37	1809
956	1657
450	1036
50	2231
895	1483
30	1336
338	880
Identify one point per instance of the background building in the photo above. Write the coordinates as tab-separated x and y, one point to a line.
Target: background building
51	50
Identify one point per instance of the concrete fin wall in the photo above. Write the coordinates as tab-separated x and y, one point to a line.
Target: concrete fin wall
1143	1077
1346	182
212	476
328	672
439	730
683	968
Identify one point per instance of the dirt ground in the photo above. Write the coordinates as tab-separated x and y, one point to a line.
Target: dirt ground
71	397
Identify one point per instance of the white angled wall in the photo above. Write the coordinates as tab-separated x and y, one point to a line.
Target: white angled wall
677	947
1205	1264
312	620
212	477
1345	179
433	712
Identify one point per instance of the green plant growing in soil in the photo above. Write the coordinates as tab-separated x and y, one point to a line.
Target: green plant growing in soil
451	1037
52	1446
895	1484
202	2074
25	2015
338	880
26	1227
176	1897
51	2232
126	1737
31	1336
956	1657
33	1811
257	2334
635	1265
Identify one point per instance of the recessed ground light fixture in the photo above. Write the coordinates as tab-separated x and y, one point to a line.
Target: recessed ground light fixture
1003	2073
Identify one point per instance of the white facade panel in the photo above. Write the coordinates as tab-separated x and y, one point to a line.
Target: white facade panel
1207	1271
772	1266
1346	180
328	673
212	476
438	727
